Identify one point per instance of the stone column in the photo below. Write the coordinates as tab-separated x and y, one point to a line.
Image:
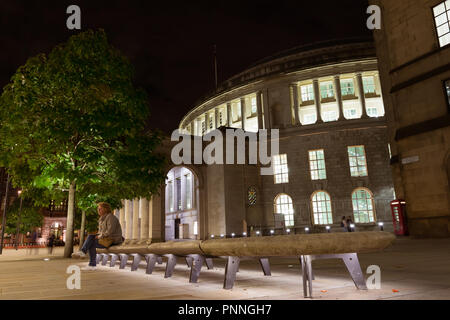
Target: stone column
216	114
259	109
192	128
135	219
243	112
144	213
157	218
206	122
128	220
337	86
122	218
317	100
362	97
295	106
229	115
267	122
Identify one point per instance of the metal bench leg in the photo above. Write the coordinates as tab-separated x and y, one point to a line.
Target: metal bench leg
98	257
307	276
151	261
105	258
123	260
159	260
264	262
136	260
197	263
114	258
189	261
209	263
231	268
354	268
170	266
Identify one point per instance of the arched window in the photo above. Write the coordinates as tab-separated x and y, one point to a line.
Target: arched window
283	205
321	203
363	206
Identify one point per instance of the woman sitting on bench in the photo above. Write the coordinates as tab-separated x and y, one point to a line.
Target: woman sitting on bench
109	233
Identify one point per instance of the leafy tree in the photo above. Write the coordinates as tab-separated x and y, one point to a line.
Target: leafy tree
30	217
73	120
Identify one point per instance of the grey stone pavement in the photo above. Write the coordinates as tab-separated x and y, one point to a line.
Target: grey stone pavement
410	270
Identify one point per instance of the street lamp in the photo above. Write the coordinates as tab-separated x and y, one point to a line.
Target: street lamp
222	235
233	234
306	230
272	232
245	234
381	225
352	227
288	231
212	236
257	233
328	229
18	220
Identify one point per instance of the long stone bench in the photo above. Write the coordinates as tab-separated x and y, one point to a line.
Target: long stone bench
305	247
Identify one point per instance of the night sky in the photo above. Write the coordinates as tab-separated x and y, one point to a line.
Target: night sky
171	43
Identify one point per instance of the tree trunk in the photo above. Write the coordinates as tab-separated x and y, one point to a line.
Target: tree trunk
68	249
83	227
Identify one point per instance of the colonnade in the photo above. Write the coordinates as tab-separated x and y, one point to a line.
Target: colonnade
140	219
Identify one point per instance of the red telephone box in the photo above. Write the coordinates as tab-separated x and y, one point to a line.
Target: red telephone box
398	208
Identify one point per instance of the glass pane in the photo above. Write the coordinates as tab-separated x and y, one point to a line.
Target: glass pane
439	9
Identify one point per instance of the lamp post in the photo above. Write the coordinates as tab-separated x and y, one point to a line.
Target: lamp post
18	220
4	214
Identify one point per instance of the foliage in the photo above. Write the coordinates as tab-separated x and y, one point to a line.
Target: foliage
74	118
30	217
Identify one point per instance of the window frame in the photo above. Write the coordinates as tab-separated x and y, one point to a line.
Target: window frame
435	25
313	212
446	93
275	175
373	206
357	166
343	80
285	215
317	161
307	93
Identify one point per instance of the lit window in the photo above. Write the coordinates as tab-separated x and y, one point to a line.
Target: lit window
350	113
372	112
178	185
221	118
357	159
347	87
283	205
321	203
254	106
281	172
369	85
310	118
203	127
188	190
307	93
363	206
326	90
442	20
317	165
236	112
211	122
170	195
447	90
329	116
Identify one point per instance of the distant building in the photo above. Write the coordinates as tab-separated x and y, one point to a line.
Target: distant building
326	100
413	49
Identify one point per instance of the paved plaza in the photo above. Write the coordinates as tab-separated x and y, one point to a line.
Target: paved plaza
411	269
